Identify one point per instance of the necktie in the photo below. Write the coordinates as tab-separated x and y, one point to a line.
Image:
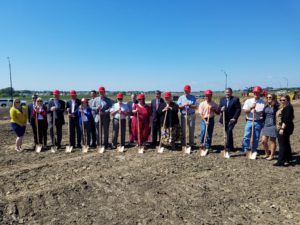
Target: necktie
157	104
227	102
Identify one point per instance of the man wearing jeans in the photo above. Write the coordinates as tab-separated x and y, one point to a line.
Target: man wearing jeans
187	105
253	108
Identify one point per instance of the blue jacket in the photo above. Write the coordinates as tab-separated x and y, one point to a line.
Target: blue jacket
88	114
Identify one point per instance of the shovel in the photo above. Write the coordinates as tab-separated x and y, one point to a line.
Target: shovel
186	148
251	154
161	149
204	152
69	147
100	147
53	147
225	153
120	147
85	147
141	148
38	147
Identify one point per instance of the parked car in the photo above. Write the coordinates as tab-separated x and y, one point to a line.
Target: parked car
5	102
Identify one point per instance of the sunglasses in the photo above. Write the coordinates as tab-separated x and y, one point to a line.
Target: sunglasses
282	100
17	102
39	101
269	97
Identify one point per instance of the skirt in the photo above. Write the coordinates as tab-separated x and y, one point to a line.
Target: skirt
269	131
19	130
170	135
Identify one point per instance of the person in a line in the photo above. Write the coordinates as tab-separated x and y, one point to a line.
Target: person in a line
171	130
207	110
103	105
85	119
253	108
18	120
269	130
187	105
231	106
119	111
143	117
30	108
130	104
155	117
72	110
285	128
56	109
39	114
93	105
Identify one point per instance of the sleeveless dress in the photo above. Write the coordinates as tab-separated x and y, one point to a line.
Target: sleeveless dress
269	128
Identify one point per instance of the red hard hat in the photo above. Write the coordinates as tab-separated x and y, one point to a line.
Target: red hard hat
168	95
257	89
101	89
84	100
73	93
208	92
141	96
119	95
56	92
187	88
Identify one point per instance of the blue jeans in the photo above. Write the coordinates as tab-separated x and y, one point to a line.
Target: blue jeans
210	131
258	125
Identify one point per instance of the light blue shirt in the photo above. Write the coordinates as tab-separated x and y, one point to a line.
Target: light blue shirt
117	106
190	99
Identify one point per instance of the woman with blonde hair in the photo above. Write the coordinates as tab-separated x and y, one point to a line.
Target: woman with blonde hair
269	130
18	120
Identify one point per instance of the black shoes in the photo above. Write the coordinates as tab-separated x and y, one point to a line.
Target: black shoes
279	164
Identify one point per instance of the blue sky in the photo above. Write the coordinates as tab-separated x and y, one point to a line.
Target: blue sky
149	44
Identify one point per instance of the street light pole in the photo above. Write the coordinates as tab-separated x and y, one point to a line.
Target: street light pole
11	89
287	82
225	78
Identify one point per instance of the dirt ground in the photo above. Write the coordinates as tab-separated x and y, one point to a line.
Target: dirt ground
128	188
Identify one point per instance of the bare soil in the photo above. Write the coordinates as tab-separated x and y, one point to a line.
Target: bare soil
128	188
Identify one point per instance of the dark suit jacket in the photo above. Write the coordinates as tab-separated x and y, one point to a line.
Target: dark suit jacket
77	104
172	117
233	110
155	116
29	114
59	112
287	117
129	104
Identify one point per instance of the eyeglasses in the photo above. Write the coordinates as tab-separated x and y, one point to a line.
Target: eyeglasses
282	100
39	101
17	102
269	97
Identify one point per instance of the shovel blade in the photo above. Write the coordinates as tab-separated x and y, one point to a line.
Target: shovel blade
121	149
248	154
141	150
188	150
203	152
100	149
85	148
253	155
69	148
38	148
160	149
53	149
225	154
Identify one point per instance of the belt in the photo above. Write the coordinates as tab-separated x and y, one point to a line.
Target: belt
254	120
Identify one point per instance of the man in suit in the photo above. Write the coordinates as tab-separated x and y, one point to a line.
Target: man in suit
56	110
130	104
155	117
30	119
231	106
72	109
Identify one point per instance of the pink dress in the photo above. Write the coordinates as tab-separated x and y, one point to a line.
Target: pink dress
144	120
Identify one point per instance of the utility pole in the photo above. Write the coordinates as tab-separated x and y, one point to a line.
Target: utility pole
11	88
225	77
287	82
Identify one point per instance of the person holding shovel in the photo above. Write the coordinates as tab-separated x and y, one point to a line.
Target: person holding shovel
85	117
119	111
231	107
18	120
170	128
39	114
102	105
93	105
30	108
187	105
207	110
269	130
56	109
253	108
141	112
72	110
